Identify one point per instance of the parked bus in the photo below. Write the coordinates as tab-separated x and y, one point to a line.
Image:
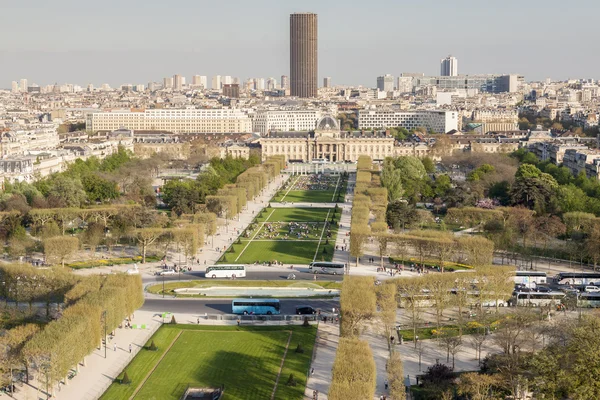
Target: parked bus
225	271
578	278
323	267
538	299
588	300
530	279
319	161
255	306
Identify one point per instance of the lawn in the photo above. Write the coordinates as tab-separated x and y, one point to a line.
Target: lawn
245	359
307	196
267	246
169	287
287	252
294	214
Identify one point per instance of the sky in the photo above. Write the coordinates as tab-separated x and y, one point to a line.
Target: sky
135	41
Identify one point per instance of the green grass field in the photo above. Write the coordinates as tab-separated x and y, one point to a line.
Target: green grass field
245	359
307	196
171	286
265	247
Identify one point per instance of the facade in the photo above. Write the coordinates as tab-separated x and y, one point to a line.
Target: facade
231	90
285	120
177	82
437	121
235	151
216	83
21	141
285	82
303	55
172	120
449	66
586	161
327	82
327	142
385	83
497	120
483	83
168	83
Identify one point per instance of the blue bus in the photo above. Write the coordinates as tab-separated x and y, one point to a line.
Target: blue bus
255	306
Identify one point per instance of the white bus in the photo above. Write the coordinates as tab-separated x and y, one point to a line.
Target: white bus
530	279
225	271
319	161
577	278
324	267
538	299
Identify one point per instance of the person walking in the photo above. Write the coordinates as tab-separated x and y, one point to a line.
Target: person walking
386	384
130	347
115	347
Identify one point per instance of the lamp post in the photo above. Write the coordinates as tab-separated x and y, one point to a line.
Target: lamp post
163	276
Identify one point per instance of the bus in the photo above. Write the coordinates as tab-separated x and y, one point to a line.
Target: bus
225	271
588	300
538	299
255	306
324	267
530	279
319	161
577	278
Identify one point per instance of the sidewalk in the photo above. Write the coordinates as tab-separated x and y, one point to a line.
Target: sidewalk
325	349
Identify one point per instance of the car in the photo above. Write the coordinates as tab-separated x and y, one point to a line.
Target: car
591	289
543	289
305	310
168	272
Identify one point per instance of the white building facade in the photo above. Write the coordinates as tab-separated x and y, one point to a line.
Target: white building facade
285	120
437	121
222	120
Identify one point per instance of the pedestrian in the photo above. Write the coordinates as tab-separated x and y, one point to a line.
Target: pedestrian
130	347
386	384
115	347
312	371
198	321
392	339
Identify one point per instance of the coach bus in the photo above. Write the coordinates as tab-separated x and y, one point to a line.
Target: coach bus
578	278
538	299
225	271
319	161
530	278
255	306
324	267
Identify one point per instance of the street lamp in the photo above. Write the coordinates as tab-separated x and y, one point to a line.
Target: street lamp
105	341
163	276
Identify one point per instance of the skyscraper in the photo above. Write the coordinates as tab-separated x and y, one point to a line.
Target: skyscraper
303	54
327	82
23	85
285	82
449	66
217	84
167	83
385	83
177	83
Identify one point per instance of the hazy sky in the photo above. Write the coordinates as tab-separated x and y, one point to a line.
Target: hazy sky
135	41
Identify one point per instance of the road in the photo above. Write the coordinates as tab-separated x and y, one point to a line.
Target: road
277	274
223	306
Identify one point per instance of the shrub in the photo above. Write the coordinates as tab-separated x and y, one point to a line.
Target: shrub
291	381
224	258
231	250
239	241
324	250
152	346
305	323
125	380
173	321
326	241
299	348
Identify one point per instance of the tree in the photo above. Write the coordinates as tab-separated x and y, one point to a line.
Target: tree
400	215
387	304
357	304
354	372
395	375
93	236
146	237
67	191
391	178
477	386
453	342
358	236
60	248
479	251
411	297
592	244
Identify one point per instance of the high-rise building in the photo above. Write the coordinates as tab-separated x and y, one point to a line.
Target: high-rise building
168	83
90	87
385	83
260	83
216	83
23	85
449	66
15	87
231	90
227	80
327	82
271	84
236	80
303	54
196	80
285	82
177	84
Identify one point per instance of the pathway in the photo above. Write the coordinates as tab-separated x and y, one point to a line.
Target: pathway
322	365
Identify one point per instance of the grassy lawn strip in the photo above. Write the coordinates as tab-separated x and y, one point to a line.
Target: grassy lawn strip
448	266
245	359
139	367
307	196
169	287
294	215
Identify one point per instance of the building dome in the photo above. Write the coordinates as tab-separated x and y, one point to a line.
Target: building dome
328	123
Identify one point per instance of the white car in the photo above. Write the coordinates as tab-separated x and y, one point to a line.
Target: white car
592	289
168	272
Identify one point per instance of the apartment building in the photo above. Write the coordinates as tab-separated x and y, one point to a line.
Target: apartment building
221	120
437	121
497	120
285	120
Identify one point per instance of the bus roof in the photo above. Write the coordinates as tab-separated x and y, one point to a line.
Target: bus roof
256	300
530	273
579	275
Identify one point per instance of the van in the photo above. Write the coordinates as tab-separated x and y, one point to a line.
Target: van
591	289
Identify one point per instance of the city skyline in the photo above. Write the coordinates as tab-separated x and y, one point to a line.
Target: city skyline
48	52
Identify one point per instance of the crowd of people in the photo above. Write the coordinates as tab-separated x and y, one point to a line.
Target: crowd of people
291	230
313	182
